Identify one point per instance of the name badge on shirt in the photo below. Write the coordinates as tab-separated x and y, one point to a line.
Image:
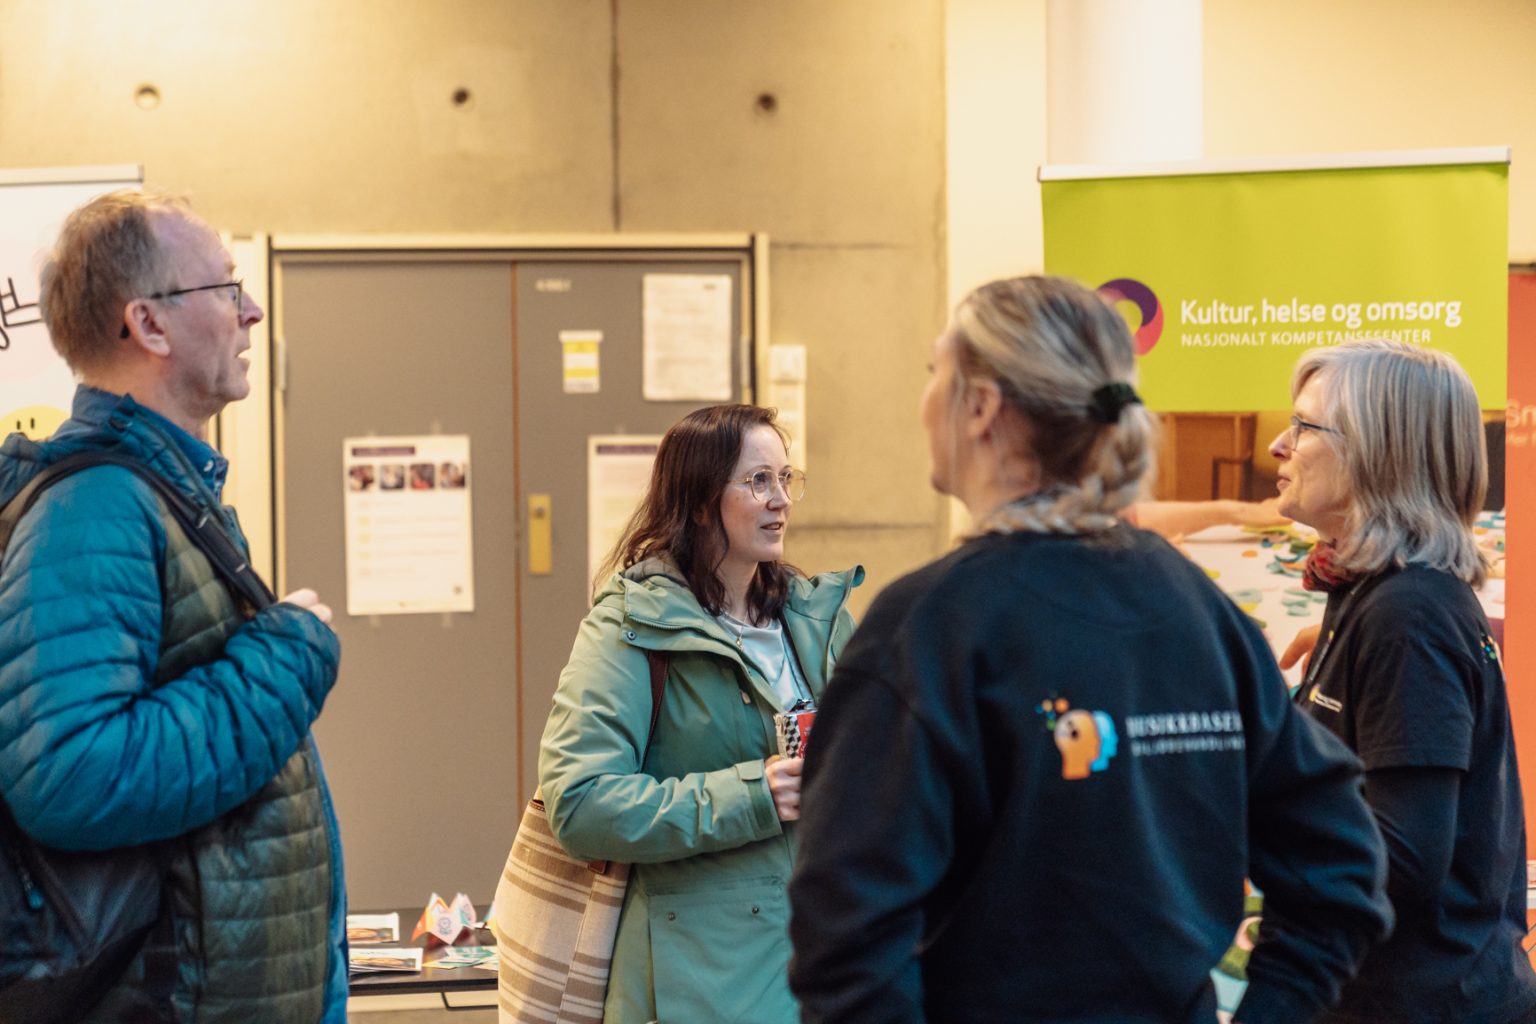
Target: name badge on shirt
1324	701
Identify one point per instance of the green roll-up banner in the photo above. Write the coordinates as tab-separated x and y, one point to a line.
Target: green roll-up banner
1227	277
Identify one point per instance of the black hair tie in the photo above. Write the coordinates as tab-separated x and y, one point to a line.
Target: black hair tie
1110	399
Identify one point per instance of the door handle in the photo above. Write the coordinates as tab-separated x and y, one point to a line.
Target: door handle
540	536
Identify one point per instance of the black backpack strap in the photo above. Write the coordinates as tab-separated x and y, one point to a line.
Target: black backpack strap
159	947
205	530
201	526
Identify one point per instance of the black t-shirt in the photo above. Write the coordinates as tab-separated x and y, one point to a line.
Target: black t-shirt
1407	674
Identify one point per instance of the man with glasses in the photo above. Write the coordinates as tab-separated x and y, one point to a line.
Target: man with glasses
137	704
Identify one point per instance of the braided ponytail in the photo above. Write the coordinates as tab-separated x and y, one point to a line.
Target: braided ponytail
1065	361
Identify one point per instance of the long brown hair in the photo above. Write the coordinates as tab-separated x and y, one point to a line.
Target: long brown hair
680	519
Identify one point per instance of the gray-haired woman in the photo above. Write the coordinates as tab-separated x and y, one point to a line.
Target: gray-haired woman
1047	760
1385	458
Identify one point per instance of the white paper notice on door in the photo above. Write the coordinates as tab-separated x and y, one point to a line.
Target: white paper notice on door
618	472
786	393
579	362
408	533
687	338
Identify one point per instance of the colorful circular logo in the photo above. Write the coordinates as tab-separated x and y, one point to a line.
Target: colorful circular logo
1124	289
1085	739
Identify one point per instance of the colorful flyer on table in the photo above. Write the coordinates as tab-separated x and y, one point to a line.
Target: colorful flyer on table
367	959
444	923
373	927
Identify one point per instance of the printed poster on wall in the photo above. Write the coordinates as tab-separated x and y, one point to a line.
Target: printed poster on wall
36	387
618	472
580	366
686	337
409	545
786	393
1227	278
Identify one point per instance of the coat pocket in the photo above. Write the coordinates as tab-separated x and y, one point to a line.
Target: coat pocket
722	954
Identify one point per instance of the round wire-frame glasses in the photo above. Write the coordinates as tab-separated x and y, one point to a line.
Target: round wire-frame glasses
763	482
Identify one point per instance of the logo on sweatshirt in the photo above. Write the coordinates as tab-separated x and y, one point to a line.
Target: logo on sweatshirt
1085	739
1491	651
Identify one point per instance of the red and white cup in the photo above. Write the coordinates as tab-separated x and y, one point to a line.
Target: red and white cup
794	729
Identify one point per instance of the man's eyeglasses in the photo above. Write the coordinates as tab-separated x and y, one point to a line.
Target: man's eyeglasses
762	483
1300	426
236	294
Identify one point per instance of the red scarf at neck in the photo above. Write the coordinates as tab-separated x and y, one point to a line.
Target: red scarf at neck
1320	573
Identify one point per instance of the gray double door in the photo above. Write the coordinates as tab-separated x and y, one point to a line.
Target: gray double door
430	737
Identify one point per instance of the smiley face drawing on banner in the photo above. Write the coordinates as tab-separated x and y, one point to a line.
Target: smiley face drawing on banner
36	384
1124	289
37	422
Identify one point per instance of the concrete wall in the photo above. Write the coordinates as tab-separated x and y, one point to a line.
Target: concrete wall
889	150
846	173
820	124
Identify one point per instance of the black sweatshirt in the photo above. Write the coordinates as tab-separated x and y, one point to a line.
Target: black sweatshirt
1407	675
1041	771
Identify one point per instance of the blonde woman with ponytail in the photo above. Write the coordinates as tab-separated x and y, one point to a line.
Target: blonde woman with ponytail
1046	762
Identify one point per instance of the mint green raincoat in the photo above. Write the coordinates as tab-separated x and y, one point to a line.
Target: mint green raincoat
703	937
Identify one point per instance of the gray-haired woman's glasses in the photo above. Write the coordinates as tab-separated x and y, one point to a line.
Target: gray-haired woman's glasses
1300	426
763	482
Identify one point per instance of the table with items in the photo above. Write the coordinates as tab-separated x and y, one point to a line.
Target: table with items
382	963
1260	570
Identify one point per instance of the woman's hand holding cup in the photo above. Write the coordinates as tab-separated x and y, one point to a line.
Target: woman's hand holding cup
783	775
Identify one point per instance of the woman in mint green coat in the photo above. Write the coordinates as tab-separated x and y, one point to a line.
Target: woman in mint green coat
704	814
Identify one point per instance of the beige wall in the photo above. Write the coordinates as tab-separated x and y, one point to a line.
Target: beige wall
996	110
336	116
1318	76
1306	76
287	115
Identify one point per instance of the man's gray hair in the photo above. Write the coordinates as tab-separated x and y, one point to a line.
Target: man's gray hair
1414	456
106	256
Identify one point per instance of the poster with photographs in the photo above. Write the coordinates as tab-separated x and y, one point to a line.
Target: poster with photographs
409	542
